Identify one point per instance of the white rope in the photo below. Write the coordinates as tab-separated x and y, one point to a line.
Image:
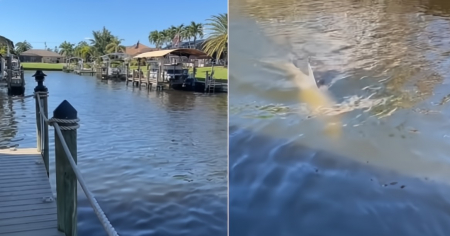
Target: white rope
98	210
52	121
55	122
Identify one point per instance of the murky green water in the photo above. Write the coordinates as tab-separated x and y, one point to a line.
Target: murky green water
385	63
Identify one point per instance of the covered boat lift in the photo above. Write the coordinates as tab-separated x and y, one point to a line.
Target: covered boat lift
166	71
108	72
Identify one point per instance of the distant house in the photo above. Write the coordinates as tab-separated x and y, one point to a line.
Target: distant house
198	45
138	48
41	55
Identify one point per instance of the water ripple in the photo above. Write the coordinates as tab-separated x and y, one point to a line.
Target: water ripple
388	172
155	161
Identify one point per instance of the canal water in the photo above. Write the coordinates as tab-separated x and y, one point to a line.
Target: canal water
386	66
155	161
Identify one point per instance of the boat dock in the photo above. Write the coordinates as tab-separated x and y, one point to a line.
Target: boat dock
27	204
138	79
15	84
161	71
90	72
212	86
26	199
11	75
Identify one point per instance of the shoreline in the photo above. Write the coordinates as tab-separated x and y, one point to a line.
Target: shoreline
43	69
220	71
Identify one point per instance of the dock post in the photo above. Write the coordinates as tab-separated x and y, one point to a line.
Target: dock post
9	73
148	79
41	125
22	79
66	182
206	80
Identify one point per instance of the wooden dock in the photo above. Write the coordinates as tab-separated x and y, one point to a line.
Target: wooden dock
15	83
27	206
146	81
90	72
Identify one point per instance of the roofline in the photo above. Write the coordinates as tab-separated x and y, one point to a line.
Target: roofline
7	41
28	53
162	53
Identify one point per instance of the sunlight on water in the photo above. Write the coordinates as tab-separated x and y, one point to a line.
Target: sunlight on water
383	67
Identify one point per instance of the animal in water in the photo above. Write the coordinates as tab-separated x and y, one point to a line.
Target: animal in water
311	92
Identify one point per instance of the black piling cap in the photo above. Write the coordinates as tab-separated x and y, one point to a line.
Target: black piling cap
65	111
39	76
39	73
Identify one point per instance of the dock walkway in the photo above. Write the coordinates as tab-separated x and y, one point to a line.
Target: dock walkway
26	200
27	206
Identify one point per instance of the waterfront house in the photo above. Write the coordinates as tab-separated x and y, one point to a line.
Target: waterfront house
41	55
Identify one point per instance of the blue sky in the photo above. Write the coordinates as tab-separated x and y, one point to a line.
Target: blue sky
53	21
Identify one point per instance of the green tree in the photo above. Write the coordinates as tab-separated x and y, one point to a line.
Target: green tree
67	49
217	42
171	32
195	30
2	49
77	49
115	46
22	47
100	40
165	35
157	38
86	52
83	50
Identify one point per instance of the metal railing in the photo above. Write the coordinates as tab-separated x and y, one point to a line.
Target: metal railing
65	123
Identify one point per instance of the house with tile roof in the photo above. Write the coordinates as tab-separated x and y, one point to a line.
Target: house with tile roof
138	48
41	55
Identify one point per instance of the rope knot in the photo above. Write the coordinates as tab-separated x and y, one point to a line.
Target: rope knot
70	124
40	94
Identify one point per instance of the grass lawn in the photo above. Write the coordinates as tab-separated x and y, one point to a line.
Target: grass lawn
42	66
219	72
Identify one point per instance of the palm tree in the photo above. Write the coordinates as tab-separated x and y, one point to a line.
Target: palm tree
86	52
181	30
217	42
78	48
195	30
186	34
165	35
100	40
22	47
115	46
67	49
157	38
171	32
83	50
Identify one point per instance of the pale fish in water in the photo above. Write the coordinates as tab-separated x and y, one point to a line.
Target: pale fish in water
310	93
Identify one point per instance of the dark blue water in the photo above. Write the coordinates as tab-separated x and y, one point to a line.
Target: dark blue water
155	161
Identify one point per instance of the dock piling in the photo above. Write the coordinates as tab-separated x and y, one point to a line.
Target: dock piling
65	116
41	124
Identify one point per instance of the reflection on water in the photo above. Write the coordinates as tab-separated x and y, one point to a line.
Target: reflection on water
156	161
386	65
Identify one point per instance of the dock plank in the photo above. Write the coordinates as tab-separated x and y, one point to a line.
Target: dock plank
23	188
